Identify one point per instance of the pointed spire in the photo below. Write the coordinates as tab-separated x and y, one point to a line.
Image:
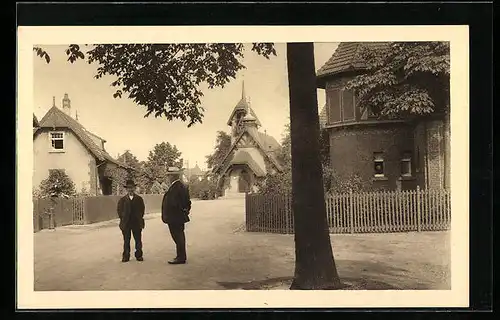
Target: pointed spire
76	115
243	90
53	101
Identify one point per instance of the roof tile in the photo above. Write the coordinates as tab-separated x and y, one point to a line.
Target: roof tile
347	57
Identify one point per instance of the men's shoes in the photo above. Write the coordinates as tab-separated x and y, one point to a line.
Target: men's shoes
125	259
140	259
177	261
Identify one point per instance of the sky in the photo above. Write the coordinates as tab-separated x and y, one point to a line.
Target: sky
122	124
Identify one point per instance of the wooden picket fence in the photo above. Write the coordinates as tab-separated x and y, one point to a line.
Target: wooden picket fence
365	212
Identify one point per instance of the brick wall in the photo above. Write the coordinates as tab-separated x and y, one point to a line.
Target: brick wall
352	149
432	142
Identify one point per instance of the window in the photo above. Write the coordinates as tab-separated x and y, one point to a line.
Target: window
334	110
378	164
406	164
57	141
347	105
341	105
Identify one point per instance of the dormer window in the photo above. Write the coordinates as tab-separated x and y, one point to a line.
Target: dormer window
56	141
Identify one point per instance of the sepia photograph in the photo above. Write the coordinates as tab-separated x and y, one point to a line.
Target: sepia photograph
252	166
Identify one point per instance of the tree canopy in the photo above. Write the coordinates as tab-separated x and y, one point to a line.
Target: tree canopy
404	79
120	175
162	156
166	78
222	146
57	183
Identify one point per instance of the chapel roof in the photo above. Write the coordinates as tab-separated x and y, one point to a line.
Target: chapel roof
249	157
266	143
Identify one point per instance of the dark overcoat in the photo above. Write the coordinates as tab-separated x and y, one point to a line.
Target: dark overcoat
176	204
131	212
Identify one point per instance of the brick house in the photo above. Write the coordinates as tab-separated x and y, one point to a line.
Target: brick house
384	154
60	142
252	156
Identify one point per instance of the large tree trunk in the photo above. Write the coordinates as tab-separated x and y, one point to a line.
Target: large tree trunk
314	264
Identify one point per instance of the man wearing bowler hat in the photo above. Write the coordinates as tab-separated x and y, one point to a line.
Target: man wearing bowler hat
131	212
175	209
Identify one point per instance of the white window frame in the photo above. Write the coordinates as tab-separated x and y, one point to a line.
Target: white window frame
406	158
378	157
52	149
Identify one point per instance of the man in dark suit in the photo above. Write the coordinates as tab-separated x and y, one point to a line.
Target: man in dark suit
175	209
131	212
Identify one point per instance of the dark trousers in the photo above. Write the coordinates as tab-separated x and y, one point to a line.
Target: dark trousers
177	233
137	233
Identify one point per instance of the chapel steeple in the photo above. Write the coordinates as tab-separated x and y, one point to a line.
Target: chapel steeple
242	117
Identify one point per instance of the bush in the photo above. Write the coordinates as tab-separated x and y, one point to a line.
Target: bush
156	188
203	189
346	183
58	183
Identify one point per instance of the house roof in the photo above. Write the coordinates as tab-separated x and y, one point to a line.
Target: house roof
267	145
94	135
56	118
347	57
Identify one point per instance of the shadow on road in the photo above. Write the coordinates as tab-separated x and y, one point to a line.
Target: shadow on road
354	275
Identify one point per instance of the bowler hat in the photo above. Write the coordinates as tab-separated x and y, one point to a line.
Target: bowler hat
174	170
130	183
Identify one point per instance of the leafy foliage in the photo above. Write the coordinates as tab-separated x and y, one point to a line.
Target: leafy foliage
162	156
57	183
119	175
42	53
281	182
345	183
203	189
222	146
404	79
166	78
156	188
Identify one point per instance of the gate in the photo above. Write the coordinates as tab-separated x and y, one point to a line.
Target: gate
78	211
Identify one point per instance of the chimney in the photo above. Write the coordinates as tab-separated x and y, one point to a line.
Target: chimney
66	104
